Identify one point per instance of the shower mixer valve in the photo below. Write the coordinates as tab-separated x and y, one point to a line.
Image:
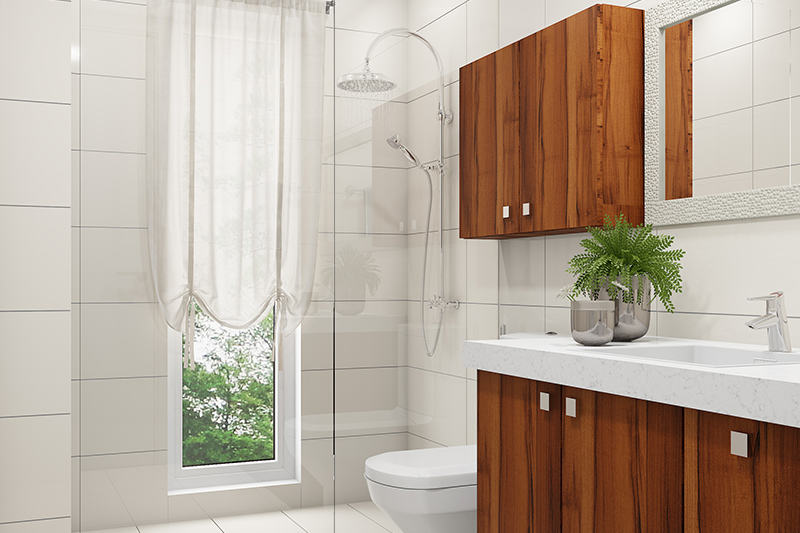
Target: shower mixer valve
441	304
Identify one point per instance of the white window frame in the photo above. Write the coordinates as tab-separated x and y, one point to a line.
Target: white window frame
284	469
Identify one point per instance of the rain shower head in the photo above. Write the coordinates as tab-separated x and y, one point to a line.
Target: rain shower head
394	142
365	82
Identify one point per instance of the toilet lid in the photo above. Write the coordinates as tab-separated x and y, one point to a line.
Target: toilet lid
434	468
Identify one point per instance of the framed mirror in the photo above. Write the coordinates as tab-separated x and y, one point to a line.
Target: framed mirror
719	111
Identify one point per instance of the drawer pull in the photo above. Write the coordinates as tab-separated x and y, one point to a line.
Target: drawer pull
572	407
526	210
738	444
506	211
544	401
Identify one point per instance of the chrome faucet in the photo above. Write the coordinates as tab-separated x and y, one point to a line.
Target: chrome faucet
775	321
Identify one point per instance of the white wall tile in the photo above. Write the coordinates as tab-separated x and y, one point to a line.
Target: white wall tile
370	339
522	319
722	29
771	69
522	271
482	271
351	453
437	406
35	461
556	10
75	107
774	177
75	260
787	5
421	12
770	20
705	153
734	182
448	35
371	200
482	28
482	324
518	19
36	272
317	474
389	255
118	340
35	379
455	257
112	114
795	60
559	249
704	187
370	15
75	36
75	178
723	82
423	126
60	525
117	415
317	337
36	37
369	401
472	412
75	334
736	142
447	357
317	404
451	194
736	249
771	133
115	266
113	38
558	319
113	190
36	165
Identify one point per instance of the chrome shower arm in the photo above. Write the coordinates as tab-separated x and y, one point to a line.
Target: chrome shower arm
403	32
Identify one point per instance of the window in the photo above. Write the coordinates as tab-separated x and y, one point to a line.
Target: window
231	418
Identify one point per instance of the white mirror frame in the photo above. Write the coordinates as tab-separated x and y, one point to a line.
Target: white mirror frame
774	201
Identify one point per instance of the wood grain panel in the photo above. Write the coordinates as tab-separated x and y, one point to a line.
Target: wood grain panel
531	79
508	144
777	487
665	464
516	469
583	84
545	448
578	490
691	516
678	111
726	491
621	47
489	447
478	178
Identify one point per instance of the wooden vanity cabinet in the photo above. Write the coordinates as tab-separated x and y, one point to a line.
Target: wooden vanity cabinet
612	464
552	128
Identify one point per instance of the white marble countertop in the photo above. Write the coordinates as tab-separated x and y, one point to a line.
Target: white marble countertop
769	393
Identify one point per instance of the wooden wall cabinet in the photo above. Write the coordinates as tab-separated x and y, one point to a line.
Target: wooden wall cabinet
552	128
625	465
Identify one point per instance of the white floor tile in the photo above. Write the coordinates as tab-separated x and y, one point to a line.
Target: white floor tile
191	526
313	520
371	511
274	521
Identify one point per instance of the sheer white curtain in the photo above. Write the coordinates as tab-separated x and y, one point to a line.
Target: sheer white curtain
234	156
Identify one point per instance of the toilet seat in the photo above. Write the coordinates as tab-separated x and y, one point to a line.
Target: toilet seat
433	468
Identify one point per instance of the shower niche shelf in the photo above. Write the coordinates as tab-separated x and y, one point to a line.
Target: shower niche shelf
552	129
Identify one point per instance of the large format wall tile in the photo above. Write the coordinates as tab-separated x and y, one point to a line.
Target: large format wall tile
36	44
351	453
483	27
370	338
517	19
112	114
117	415
437	405
113	38
112	190
115	266
34	460
34	368
370	15
36	272
60	525
522	271
370	401
36	158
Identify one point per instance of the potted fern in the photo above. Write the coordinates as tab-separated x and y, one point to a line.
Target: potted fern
622	263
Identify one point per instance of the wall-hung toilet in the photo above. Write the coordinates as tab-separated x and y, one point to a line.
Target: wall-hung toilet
427	491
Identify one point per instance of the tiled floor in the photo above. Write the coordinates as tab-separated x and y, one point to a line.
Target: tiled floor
362	517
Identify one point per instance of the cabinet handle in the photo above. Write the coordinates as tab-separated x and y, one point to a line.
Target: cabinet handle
572	407
526	209
739	444
544	401
506	211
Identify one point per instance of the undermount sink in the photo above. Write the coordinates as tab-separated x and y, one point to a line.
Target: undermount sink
698	354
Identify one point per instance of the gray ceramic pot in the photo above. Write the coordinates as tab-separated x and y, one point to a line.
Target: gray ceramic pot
592	321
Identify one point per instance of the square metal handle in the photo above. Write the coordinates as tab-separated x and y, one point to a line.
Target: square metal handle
544	401
739	444
572	407
506	211
526	209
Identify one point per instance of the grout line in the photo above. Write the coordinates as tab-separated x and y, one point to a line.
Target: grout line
293	520
82	380
108	152
9	417
367	517
215	523
35	310
111	76
36	519
114	454
427	439
26	206
34	101
441	16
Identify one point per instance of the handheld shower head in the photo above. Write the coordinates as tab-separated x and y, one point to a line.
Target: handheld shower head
394	142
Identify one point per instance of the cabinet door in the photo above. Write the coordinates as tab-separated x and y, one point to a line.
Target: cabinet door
733	494
489	145
622	465
519	455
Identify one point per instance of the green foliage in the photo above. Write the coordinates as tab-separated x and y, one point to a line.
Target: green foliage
228	401
618	251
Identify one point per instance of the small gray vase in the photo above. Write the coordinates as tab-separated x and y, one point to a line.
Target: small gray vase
633	319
